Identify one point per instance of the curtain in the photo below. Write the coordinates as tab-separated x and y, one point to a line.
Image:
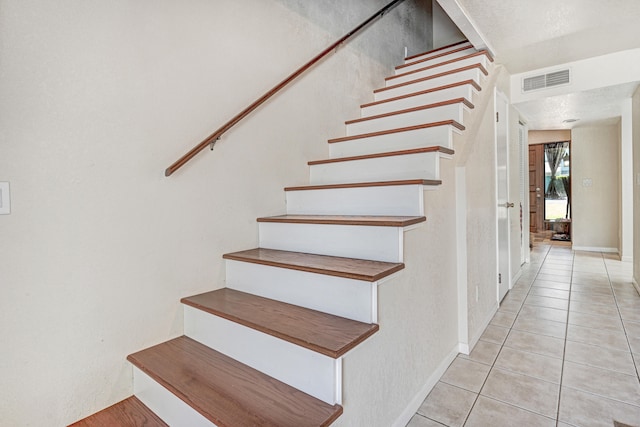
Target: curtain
566	183
555	154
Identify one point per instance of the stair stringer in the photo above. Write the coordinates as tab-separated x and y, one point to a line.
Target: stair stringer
399	365
418	313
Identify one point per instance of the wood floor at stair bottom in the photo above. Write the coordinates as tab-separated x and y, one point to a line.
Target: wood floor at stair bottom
130	413
324	333
228	393
351	268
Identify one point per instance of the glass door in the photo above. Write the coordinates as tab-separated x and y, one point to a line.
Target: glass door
557	193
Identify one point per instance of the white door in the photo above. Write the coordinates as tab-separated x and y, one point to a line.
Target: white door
502	194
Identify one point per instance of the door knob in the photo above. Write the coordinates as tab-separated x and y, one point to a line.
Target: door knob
508	205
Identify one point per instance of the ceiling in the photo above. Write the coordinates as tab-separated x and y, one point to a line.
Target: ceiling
526	35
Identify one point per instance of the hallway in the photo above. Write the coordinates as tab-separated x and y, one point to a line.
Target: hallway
559	351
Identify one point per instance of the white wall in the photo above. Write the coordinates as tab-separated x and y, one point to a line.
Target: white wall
595	208
393	371
636	187
445	32
548	136
96	99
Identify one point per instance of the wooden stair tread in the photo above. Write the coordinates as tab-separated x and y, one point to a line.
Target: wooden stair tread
434	56
436	50
439	64
398	130
379	221
323	333
463	101
130	412
352	268
387	154
225	391
457	70
423	92
366	184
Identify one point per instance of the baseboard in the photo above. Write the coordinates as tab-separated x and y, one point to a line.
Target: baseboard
595	249
433	379
478	334
515	278
626	258
636	285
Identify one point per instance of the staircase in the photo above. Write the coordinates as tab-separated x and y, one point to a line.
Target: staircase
268	349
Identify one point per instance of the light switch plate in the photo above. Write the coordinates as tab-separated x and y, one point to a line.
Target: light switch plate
5	199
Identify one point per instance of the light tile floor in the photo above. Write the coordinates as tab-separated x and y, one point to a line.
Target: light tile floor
559	352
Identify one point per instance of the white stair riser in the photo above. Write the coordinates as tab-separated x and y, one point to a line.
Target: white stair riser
481	59
353	299
412	118
403	200
301	368
472	74
411	166
441	136
429	54
416	65
351	241
464	91
166	405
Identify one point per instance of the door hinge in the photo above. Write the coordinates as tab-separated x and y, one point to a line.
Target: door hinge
497	117
499	277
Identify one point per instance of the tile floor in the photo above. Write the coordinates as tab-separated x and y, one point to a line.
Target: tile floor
559	352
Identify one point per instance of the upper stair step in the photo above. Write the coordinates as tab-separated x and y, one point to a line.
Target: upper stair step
130	412
462	58
403	197
427	135
441	50
324	333
426	60
351	268
224	391
475	72
451	109
421	163
481	58
464	89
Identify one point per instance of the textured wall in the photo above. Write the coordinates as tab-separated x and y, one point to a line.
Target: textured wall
96	99
595	208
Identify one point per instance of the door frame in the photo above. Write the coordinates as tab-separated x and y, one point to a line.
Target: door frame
503	239
523	142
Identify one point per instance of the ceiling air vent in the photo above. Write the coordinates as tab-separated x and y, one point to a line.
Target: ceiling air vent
543	81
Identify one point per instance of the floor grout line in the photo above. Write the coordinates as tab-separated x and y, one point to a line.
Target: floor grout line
502	345
546	257
564	347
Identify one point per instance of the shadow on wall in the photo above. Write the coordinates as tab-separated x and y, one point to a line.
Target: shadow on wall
375	41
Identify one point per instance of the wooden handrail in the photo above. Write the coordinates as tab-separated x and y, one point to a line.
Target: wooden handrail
217	134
